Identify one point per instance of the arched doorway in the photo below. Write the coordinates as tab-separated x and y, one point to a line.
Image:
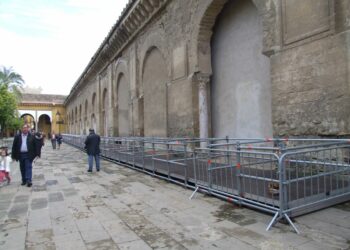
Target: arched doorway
44	125
76	121
80	120
93	121
85	130
104	113
29	120
123	106
155	94
240	87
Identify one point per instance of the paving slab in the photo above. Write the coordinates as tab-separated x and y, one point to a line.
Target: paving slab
120	208
70	241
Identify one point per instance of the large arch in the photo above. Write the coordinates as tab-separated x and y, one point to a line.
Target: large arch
154	40
44	124
72	122
121	67
123	97
93	103
154	79
240	87
76	120
204	18
121	70
93	122
29	120
80	119
104	112
85	117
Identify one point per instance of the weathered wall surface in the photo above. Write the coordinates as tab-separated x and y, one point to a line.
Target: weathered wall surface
310	75
154	79
123	105
240	86
306	43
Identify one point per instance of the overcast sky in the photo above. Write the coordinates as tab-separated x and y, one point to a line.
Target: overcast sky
50	42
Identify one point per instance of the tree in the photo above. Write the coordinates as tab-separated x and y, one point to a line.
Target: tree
10	93
15	123
8	108
11	80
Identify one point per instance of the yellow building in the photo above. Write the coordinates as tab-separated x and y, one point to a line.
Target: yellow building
44	113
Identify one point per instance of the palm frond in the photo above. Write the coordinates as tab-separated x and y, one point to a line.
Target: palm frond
9	78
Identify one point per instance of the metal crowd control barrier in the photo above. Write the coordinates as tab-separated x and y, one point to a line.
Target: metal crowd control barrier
6	142
284	177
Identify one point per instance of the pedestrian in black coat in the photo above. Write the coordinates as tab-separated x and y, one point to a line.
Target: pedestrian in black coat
59	140
92	146
39	142
24	150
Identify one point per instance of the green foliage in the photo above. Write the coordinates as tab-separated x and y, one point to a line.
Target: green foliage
8	107
10	85
15	123
11	80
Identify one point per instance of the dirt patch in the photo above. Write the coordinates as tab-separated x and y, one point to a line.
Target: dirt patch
148	232
93	201
241	233
344	206
38	177
232	213
74	179
102	245
40	239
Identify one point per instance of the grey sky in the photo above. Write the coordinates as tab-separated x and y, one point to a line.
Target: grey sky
50	42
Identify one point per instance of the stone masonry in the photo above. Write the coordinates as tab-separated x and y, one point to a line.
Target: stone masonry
158	50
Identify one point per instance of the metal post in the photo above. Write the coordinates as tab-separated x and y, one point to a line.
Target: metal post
143	153
153	152
194	192
167	158
195	167
185	150
283	196
238	173
209	171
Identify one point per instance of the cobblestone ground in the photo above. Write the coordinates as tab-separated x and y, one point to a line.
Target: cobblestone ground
118	208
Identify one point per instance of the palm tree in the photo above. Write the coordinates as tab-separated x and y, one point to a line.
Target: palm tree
11	80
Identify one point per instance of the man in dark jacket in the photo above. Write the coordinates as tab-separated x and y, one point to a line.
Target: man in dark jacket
39	142
24	150
92	146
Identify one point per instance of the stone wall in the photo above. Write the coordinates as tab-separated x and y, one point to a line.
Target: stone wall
310	74
307	44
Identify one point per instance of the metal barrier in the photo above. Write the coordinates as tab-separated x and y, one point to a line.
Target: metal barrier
6	142
284	177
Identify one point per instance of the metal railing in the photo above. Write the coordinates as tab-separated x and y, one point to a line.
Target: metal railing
6	142
284	177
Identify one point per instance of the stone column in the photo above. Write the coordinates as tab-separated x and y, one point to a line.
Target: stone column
203	82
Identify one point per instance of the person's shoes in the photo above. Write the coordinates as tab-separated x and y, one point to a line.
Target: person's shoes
23	183
89	171
29	184
8	182
98	170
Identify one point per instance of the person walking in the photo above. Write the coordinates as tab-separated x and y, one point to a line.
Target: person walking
92	146
59	140
24	151
53	140
40	142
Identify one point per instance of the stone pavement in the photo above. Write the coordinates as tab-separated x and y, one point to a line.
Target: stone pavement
119	208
